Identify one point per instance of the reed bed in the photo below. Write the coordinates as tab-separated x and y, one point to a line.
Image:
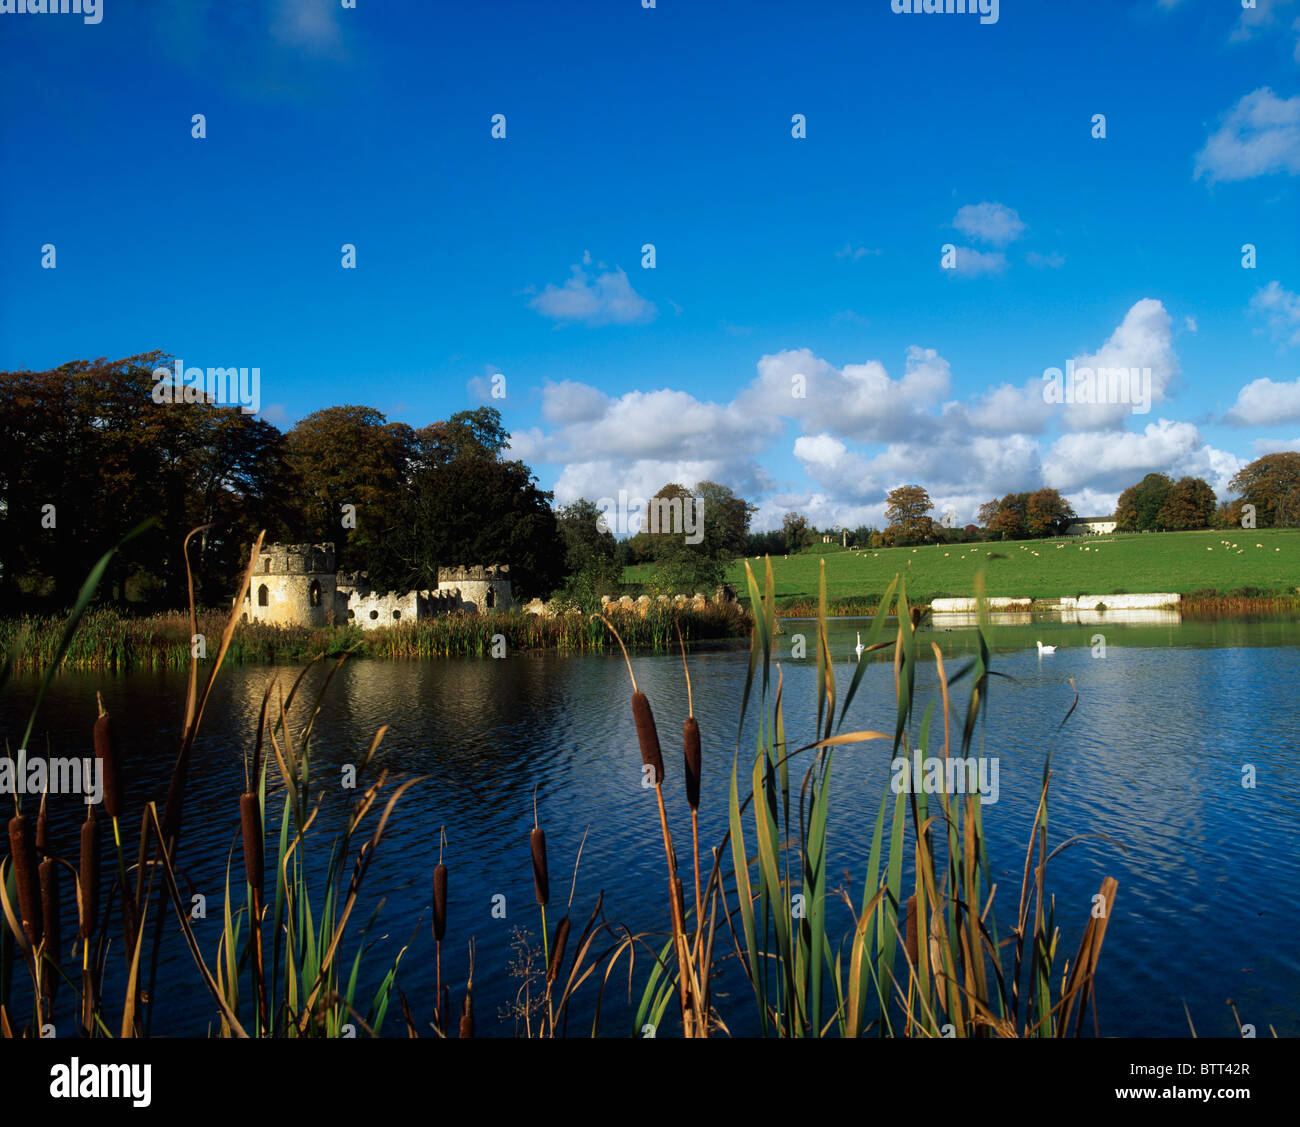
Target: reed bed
108	640
1197	605
931	952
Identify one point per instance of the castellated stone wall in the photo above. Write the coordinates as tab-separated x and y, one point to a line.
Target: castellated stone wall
477	589
293	585
296	585
358	604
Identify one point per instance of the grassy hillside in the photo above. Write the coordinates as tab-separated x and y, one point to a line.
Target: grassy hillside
1179	562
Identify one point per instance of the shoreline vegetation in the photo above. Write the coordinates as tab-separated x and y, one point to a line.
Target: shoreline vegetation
924	951
107	639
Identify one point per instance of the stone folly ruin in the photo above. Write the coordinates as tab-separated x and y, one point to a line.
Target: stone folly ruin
297	585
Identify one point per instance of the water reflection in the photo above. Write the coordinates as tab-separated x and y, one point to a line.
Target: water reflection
1209	870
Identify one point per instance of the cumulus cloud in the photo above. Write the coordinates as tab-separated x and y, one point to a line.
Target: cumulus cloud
989	223
571	402
606	299
1114	460
1263	402
1258	136
1282	310
1143	340
857	401
857	430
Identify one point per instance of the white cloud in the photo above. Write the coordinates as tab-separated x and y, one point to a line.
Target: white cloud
1258	136
1144	339
1258	18
858	401
1276	445
1263	402
608	299
1116	459
1282	309
1190	324
571	402
973	263
989	223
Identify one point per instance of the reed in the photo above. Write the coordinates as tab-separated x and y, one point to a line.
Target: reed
111	640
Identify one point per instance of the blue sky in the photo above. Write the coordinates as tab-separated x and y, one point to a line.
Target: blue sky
775	257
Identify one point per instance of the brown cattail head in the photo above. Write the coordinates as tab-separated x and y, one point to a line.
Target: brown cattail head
691	740
557	949
541	875
22	849
439	901
88	906
467	1017
250	822
106	753
913	949
647	736
49	880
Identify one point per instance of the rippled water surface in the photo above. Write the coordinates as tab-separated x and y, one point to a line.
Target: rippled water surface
1152	758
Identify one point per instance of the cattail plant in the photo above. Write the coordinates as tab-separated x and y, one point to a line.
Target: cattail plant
557	950
43	826
691	748
106	753
88	884
541	874
652	757
467	1006
22	851
48	875
110	774
440	928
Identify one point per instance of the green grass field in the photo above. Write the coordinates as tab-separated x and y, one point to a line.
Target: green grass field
1180	562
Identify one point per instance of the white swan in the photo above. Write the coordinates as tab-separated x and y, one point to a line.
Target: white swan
860	647
1042	649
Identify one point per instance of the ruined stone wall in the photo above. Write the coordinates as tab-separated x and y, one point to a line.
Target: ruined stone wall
480	590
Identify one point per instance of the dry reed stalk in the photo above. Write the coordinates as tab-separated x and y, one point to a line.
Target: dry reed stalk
43	827
22	851
913	944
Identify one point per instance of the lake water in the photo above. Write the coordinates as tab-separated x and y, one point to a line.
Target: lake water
1153	757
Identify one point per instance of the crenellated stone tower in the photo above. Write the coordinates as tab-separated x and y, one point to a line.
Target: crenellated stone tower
293	585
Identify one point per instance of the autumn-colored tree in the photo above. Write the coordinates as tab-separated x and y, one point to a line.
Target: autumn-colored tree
86	454
1005	519
1139	505
1190	504
1046	513
906	510
1272	485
